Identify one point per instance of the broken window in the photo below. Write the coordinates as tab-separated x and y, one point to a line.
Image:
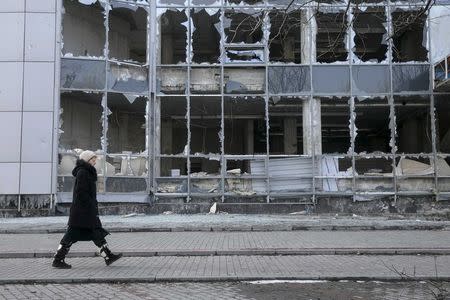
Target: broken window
82	74
415	173
201	168
335	119
247	2
330	38
374	175
205	80
285	41
286	125
289	79
81	121
83	31
126	185
407	78
408	36
171	2
372	120
248	55
173	139
206	120
245	177
413	124
245	125
172	176
126	123
331	79
370	34
173	30
127	32
243	26
244	80
171	80
128	78
369	80
442	113
205	36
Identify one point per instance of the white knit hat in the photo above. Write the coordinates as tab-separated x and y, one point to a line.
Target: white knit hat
87	155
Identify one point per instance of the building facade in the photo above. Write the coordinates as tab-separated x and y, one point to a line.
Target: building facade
230	101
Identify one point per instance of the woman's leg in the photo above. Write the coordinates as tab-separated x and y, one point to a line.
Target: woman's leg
63	249
100	242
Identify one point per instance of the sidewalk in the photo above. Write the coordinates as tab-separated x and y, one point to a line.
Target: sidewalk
224	222
228	268
146	244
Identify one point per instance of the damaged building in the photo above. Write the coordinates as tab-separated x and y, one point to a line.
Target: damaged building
258	105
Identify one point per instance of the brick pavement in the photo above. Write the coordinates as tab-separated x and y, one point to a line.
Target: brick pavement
242	243
226	268
221	291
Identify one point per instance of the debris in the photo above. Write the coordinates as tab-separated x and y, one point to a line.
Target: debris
133	215
303	212
213	208
168	212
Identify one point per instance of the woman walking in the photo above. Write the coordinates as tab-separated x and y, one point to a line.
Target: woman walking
84	223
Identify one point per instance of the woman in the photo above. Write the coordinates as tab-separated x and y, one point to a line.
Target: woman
84	223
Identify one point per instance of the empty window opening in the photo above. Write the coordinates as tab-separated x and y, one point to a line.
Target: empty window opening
243	27
286	126
245	126
370	34
251	2
81	121
173	139
236	54
335	119
127	33
83	29
330	38
285	36
173	37
205	125
413	131
372	118
206	37
408	37
442	124
126	123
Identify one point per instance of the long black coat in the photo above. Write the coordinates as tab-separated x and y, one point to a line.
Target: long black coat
84	209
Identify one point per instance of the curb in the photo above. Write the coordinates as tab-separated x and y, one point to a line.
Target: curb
239	229
243	252
230	278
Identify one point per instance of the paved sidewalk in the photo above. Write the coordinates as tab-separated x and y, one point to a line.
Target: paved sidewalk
227	268
225	291
224	222
238	243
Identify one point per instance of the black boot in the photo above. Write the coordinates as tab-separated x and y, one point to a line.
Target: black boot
108	255
58	261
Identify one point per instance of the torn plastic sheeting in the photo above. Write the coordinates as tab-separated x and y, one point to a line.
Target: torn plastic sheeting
440	32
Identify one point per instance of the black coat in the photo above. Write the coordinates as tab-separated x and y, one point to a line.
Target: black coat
84	209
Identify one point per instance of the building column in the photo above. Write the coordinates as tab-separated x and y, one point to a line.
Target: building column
312	123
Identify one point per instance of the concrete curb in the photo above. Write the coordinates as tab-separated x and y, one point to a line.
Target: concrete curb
239	229
242	252
231	278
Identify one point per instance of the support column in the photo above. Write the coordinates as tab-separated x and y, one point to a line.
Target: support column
312	111
290	135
